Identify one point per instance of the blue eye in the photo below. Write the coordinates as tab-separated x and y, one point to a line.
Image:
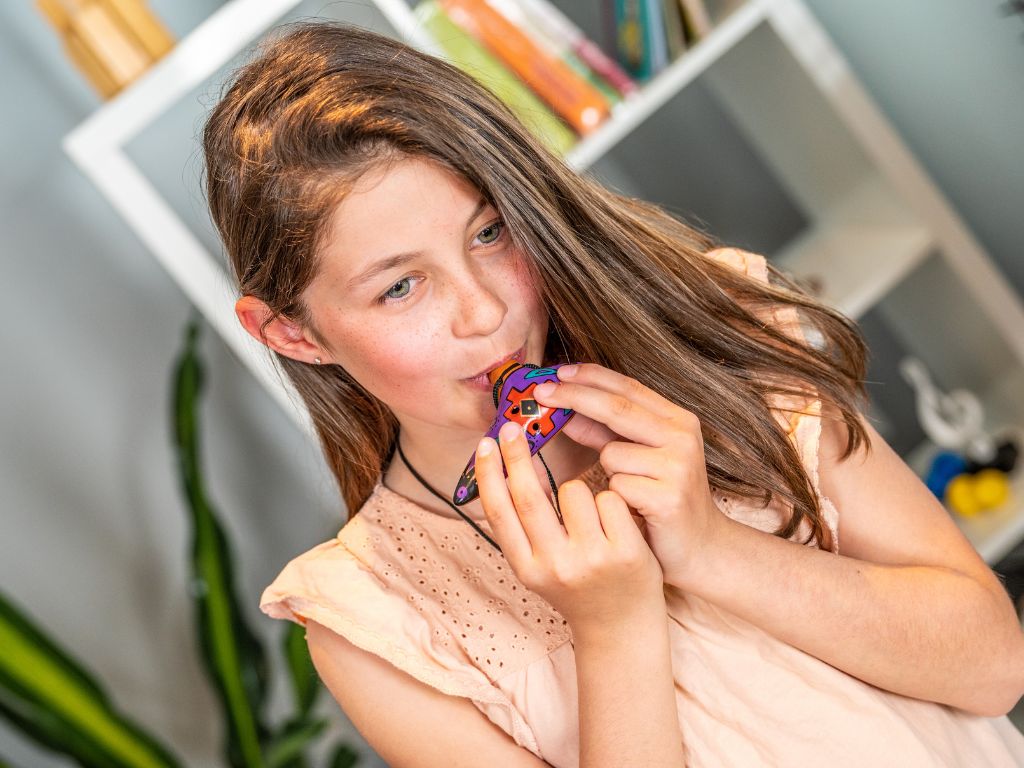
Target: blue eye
497	226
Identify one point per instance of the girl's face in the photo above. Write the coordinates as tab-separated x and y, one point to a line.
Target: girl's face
412	330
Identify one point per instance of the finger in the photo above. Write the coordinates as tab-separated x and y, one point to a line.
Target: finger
585	431
627	414
535	511
497	503
641	493
599	377
616	520
579	512
624	458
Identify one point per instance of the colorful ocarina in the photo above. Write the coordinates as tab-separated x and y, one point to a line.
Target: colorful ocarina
513	397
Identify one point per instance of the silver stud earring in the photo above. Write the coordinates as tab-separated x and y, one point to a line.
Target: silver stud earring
316	360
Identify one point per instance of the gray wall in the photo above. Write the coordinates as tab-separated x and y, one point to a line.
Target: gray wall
949	74
95	542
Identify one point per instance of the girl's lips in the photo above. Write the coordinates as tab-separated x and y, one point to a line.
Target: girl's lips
482	381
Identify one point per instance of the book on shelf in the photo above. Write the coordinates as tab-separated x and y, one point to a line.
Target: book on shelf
559	25
648	35
537	29
573	97
673	19
654	11
696	19
644	44
468	54
631	41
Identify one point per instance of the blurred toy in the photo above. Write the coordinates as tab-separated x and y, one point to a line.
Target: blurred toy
953	420
972	474
1007	452
945	466
969	494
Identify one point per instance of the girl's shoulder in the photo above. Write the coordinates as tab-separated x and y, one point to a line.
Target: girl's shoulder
424	596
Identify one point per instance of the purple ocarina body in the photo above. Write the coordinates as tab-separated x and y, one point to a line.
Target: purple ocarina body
513	397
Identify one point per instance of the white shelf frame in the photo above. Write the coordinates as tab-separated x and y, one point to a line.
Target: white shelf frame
97	148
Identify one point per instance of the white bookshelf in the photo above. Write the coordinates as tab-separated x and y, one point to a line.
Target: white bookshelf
874	216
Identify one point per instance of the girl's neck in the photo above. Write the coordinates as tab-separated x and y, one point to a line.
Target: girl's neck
566	460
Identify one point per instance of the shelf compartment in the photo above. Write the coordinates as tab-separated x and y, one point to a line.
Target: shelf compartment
633	111
860	248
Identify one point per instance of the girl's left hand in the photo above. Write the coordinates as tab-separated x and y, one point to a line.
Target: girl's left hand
653	453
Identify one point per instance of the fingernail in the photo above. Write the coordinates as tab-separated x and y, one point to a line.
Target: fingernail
567	371
545	389
485	447
508	431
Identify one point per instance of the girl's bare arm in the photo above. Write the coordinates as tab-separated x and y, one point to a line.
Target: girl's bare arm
407	722
627	704
907	605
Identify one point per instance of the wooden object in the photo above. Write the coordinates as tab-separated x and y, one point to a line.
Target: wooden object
111	42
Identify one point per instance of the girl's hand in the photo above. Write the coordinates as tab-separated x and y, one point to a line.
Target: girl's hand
653	453
597	570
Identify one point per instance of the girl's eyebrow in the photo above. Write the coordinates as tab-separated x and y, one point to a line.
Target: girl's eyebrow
390	262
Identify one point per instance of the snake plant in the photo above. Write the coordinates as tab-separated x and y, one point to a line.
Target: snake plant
53	700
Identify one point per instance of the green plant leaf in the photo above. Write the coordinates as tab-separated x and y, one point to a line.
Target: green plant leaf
53	700
231	653
285	749
344	757
305	680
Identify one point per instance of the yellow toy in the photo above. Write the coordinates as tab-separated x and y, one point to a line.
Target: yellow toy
967	494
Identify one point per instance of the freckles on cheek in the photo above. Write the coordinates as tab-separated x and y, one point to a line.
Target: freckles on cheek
393	364
522	279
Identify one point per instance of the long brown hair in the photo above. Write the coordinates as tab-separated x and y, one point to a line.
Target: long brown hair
626	284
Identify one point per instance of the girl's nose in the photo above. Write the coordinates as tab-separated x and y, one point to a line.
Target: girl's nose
480	308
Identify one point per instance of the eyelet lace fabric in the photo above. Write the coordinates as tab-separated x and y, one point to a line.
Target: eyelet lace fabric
457	580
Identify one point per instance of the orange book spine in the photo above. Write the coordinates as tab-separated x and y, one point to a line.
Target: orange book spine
578	102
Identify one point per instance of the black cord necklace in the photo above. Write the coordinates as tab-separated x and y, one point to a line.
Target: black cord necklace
426	485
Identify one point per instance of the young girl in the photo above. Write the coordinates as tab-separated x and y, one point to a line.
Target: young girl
396	233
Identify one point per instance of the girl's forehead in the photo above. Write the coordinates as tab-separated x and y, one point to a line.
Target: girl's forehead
398	197
398	209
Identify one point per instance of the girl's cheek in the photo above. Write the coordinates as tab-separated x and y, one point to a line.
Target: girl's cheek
521	276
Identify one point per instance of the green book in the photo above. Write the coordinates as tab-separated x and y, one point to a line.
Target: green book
469	55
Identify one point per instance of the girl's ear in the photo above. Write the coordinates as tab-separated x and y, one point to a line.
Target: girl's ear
281	335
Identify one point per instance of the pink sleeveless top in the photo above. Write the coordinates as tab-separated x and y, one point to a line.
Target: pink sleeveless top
430	596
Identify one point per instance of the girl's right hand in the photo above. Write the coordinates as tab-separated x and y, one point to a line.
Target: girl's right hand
596	571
